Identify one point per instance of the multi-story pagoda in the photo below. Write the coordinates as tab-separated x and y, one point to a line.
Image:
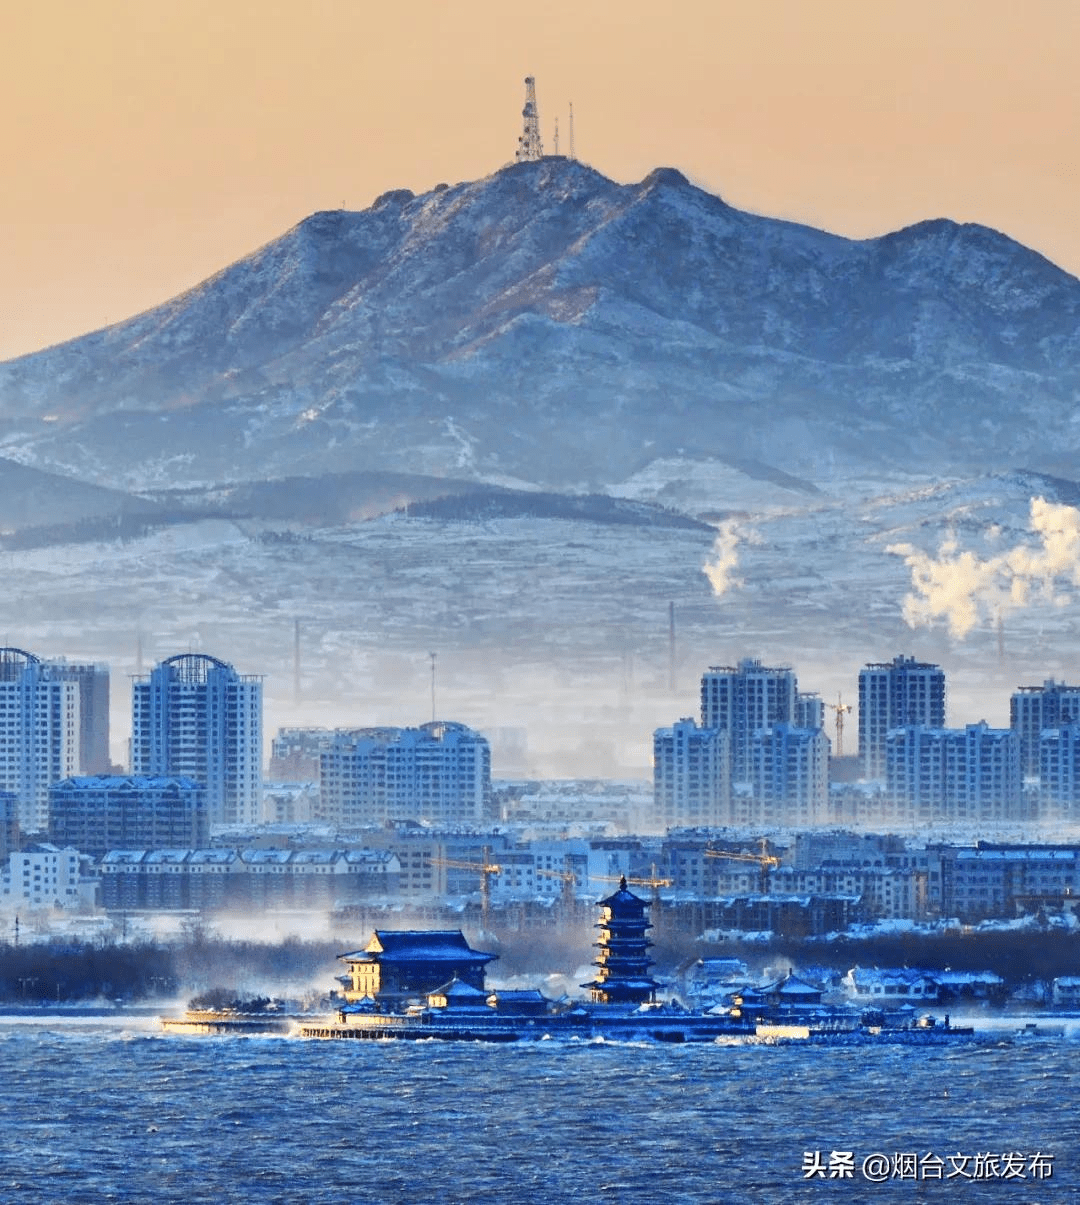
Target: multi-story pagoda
623	960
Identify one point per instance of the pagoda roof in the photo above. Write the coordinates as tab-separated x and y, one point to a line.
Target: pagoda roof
419	945
637	983
623	896
460	992
791	985
364	1005
529	995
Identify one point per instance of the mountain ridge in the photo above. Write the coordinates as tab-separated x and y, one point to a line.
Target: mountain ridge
549	326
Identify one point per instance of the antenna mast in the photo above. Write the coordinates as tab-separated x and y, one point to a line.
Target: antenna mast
556	135
572	130
530	148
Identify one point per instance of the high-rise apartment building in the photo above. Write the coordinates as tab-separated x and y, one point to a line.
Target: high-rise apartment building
195	716
439	773
744	699
93	682
789	776
809	710
1059	772
39	733
691	776
294	753
891	695
954	775
1035	708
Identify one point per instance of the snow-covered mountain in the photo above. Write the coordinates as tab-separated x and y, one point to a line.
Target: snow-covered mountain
806	448
546	326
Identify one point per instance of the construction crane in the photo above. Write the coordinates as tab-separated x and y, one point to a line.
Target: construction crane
568	879
766	862
486	869
841	708
654	882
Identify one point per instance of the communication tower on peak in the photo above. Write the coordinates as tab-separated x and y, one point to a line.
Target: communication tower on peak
530	148
571	155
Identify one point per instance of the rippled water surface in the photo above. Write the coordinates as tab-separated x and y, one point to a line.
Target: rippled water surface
98	1110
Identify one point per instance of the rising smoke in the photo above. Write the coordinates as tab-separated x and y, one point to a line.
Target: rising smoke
724	557
966	589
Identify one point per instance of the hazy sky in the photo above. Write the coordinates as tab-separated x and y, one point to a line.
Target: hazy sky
147	143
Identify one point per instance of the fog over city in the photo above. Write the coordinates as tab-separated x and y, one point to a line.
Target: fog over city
561	628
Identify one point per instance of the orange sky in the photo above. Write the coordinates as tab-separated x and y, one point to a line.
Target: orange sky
148	143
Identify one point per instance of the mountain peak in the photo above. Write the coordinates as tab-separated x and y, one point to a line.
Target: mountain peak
665	176
548	324
396	196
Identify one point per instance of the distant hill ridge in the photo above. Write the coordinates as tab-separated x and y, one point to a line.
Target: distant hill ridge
39	510
548	327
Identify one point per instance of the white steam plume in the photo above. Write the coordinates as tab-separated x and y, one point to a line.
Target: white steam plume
963	588
724	558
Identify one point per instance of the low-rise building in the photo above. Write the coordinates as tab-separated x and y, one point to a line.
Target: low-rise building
212	880
1065	991
786	915
626	806
997	880
705	978
9	823
891	986
41	876
135	811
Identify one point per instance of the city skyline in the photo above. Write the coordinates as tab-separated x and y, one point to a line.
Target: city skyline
151	146
741	700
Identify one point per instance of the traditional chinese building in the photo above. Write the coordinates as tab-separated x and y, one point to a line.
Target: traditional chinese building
623	960
395	966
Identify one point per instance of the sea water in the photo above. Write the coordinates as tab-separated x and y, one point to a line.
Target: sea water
115	1110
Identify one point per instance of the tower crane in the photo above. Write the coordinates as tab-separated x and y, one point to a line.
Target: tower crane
654	882
766	862
486	870
841	708
568	879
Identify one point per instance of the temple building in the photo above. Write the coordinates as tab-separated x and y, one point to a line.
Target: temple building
623	960
397	966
